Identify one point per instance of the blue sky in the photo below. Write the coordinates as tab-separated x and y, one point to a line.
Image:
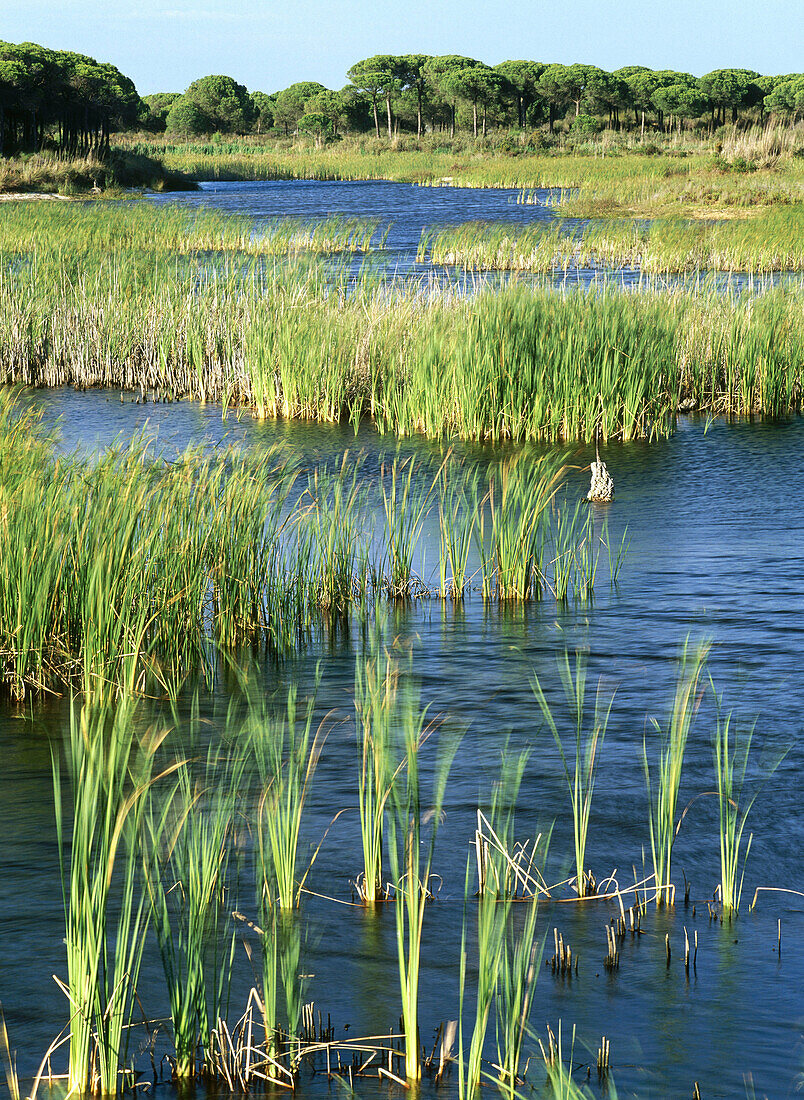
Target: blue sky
266	45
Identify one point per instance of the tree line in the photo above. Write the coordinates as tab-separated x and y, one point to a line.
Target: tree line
67	97
415	93
76	102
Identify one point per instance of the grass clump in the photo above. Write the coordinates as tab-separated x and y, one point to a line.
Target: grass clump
110	771
190	846
412	828
581	782
664	777
292	338
767	242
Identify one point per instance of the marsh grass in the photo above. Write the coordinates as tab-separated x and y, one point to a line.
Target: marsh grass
663	776
287	753
511	541
588	743
375	697
110	771
412	828
613	172
516	988
191	841
87	300
172	230
180	562
767	242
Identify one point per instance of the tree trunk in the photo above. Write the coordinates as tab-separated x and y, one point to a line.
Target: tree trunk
390	123
376	117
452	121
551	113
484	119
419	110
474	117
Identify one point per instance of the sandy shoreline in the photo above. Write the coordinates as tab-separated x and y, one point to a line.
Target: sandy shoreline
16	196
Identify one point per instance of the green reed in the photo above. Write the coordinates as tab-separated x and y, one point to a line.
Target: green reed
512	554
406	503
575	549
291	338
492	916
111	768
188	858
731	752
497	887
458	506
375	705
412	828
588	743
663	777
287	753
516	988
289	950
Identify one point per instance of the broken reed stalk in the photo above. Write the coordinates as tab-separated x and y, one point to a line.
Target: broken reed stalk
559	1074
663	778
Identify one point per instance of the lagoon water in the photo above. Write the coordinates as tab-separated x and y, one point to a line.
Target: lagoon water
716	552
407	209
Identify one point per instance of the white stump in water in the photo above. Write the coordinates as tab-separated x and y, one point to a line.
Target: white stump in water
602	487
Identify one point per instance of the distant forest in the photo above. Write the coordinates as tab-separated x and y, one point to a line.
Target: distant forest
74	103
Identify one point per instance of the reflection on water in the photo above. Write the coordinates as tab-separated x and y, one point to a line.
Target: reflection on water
717	550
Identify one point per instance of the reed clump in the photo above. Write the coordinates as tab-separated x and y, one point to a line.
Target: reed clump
588	738
292	338
767	242
663	773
